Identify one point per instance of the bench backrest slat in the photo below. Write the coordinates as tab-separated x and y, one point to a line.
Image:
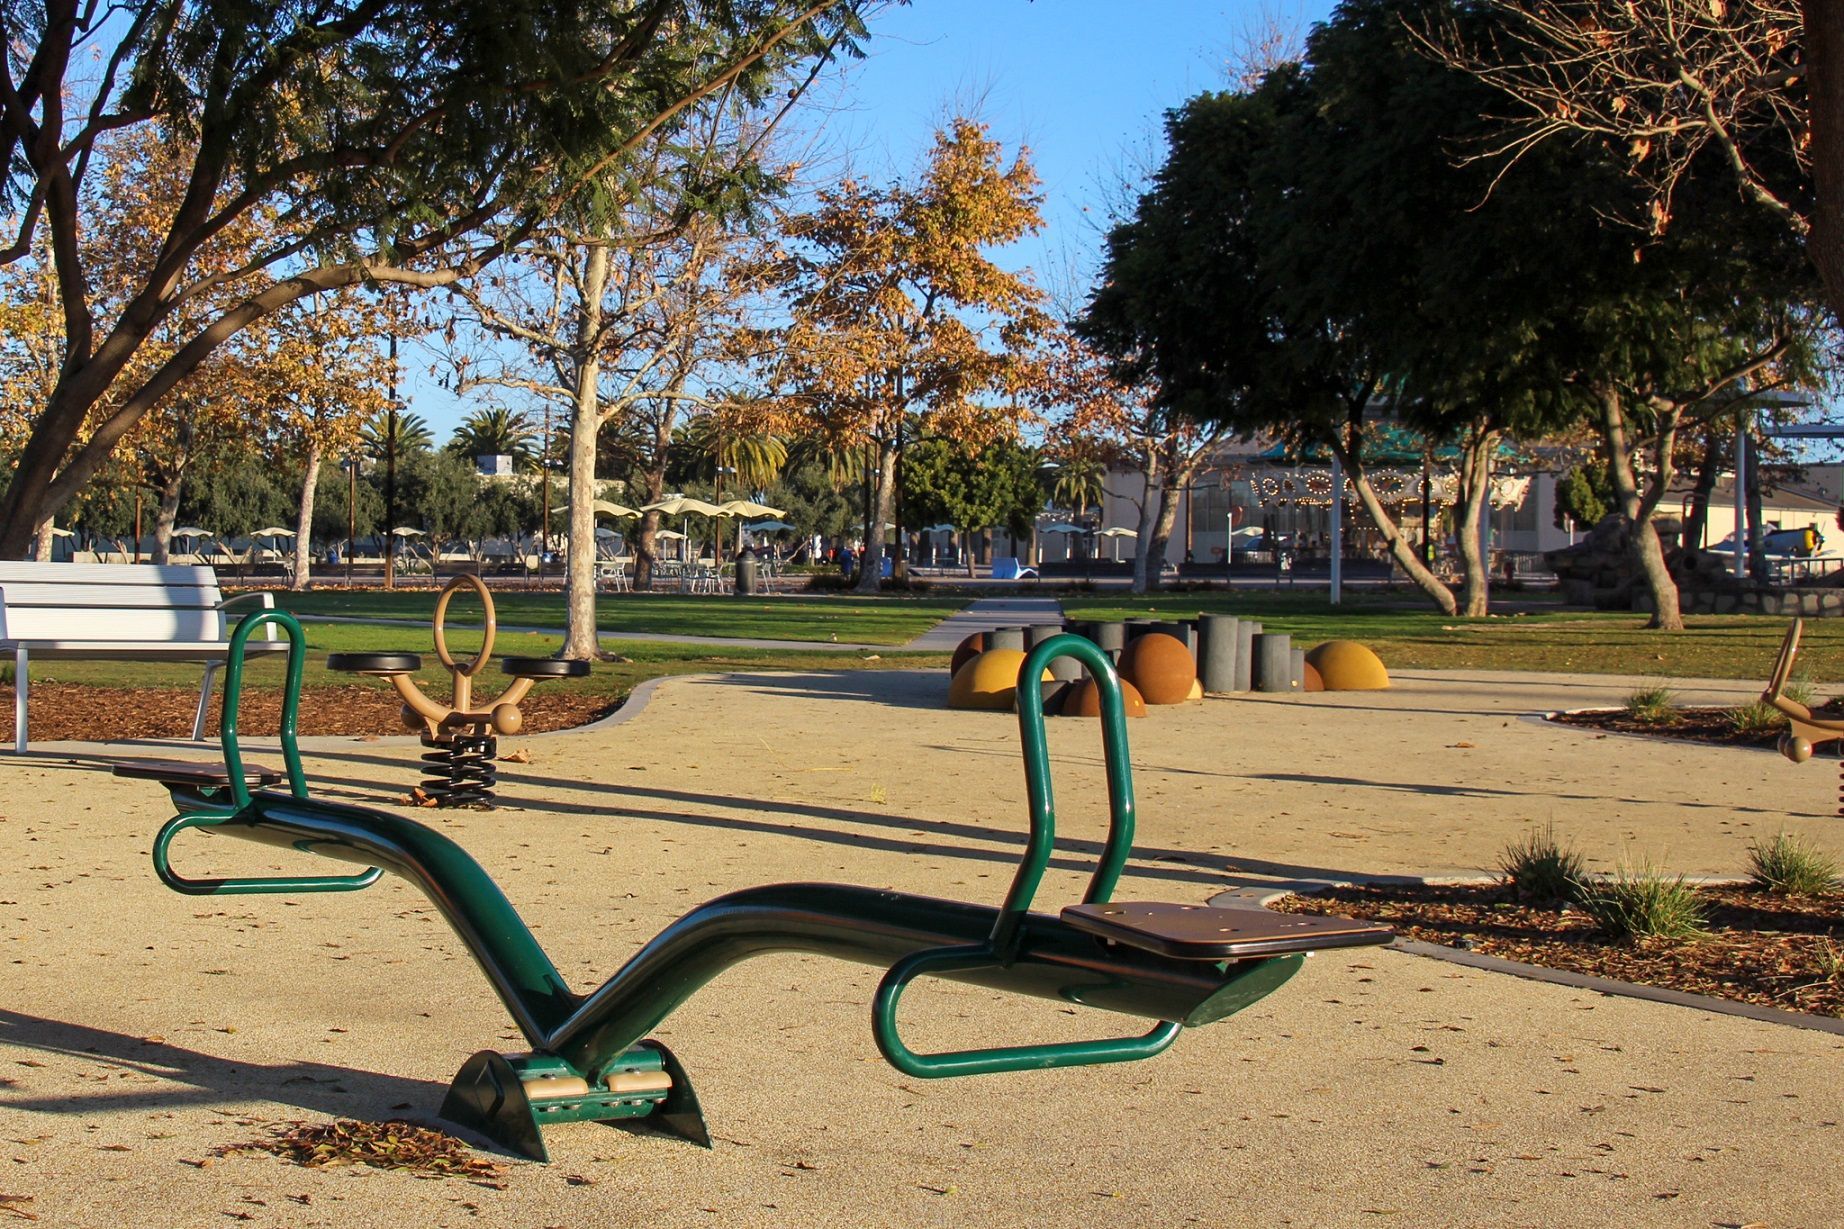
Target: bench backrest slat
71	601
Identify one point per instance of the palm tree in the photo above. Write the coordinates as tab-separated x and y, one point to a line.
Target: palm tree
495	432
398	434
1079	484
752	459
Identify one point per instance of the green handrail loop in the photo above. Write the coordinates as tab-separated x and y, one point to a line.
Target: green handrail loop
291	703
1001	947
1000	1058
1042	798
239	804
243	887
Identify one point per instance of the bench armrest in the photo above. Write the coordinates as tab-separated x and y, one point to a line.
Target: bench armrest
264	599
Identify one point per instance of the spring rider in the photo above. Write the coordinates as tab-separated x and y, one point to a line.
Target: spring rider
590	1059
1805	732
462	735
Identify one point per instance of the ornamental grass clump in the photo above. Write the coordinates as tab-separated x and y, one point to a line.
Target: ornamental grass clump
1788	865
1645	903
1756	717
1652	706
1540	867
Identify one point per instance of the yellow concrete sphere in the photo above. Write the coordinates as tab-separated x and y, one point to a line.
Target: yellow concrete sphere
1160	666
988	681
507	719
1346	665
1084	700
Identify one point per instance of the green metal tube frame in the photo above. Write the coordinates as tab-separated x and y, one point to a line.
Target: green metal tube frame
1001	947
1008	948
214	813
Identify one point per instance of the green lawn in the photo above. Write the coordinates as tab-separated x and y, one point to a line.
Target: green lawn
648	659
880	620
1410	635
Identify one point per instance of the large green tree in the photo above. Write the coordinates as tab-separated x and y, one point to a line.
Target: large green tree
993	487
400	140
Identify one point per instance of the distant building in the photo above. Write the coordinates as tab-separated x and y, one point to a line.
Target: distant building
497	466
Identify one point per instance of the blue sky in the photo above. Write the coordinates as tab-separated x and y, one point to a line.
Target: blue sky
1083	83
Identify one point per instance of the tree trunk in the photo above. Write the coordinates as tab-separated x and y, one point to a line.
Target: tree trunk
1152	493
1709	468
1756	530
1401	550
1824	47
168	483
42	541
1475	502
1170	486
883	498
1641	536
579	631
304	520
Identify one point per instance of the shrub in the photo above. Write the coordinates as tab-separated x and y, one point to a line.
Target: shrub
1791	866
1540	868
1756	717
1644	903
1652	706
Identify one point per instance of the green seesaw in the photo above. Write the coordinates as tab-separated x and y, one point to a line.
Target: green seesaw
590	1058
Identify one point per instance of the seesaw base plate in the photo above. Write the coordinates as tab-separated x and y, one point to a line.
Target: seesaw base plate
509	1098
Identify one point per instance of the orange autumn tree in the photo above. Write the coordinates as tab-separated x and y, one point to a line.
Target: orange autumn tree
900	325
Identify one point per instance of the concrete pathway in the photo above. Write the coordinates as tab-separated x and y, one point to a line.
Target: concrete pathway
141	1030
984	615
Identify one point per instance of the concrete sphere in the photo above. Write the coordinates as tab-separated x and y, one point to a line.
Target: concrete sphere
412	720
507	719
966	651
1346	665
1313	681
1160	666
1084	700
988	681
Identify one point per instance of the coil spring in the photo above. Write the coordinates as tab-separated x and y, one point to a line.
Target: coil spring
458	770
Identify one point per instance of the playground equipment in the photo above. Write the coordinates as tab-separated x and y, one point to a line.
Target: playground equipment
590	1059
1804	732
462	734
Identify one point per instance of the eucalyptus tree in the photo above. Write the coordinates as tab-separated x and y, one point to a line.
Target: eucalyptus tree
399	141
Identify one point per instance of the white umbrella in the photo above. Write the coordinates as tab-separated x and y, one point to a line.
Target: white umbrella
193	532
1117	531
767	526
602	531
1063	527
62	533
670	535
404	531
749	507
679	505
601	507
274	531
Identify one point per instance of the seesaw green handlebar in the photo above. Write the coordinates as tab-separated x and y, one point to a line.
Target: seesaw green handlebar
1001	947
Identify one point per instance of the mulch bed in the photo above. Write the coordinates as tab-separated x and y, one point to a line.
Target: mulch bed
1700	725
103	714
1777	951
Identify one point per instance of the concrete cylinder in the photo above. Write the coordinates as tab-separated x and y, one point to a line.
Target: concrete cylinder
1063	669
1272	662
1110	638
1139	627
1006	638
1246	631
1177	631
1296	676
1216	652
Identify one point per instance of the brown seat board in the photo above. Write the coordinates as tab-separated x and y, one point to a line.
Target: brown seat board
1206	932
184	772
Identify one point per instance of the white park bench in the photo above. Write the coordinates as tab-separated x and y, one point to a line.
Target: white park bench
113	612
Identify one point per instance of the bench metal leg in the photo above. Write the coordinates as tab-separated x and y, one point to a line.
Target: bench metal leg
19	700
204	702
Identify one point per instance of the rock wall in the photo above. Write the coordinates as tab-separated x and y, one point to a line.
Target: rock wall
1599	572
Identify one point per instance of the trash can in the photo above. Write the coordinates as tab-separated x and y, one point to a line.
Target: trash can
746	574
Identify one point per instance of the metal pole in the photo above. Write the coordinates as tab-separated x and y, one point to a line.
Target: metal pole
137	526
544	496
1338	530
352	512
